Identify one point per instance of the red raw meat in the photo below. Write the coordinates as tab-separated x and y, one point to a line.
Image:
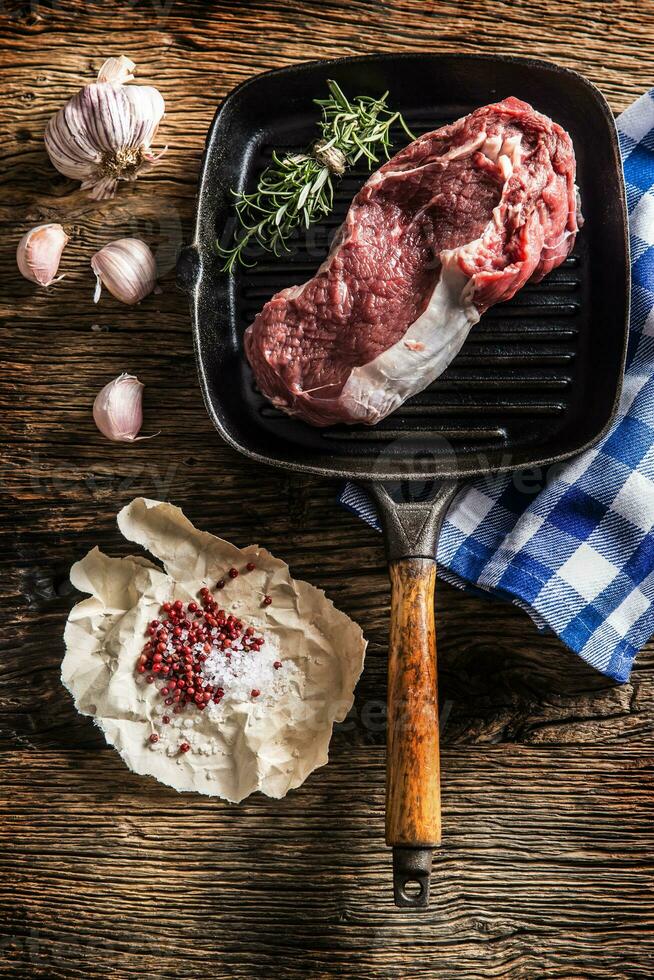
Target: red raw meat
460	219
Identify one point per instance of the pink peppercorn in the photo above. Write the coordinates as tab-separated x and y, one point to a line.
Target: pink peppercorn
178	649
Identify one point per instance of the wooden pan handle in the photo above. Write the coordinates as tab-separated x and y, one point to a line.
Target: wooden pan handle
413	805
412	517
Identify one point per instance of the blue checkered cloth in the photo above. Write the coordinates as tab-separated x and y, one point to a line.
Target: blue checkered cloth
576	549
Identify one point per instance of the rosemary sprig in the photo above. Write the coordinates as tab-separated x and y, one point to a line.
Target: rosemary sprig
297	189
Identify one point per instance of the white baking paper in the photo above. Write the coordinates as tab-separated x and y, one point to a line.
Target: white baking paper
238	747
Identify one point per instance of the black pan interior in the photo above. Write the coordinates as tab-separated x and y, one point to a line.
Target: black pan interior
538	377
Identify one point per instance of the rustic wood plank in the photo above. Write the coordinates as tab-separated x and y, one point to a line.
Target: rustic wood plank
118	879
546	865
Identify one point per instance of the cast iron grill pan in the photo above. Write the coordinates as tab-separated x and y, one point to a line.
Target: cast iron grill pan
536	381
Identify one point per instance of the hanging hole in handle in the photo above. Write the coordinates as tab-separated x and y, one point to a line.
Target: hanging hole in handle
411	872
412	889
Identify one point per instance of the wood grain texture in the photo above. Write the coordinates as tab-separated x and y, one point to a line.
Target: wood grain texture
413	793
546	864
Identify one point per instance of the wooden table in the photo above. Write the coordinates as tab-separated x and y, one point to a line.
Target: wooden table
546	869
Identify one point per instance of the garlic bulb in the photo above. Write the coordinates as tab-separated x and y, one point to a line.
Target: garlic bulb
39	253
127	268
103	134
117	409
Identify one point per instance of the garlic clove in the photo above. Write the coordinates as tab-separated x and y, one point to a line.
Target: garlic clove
118	409
148	108
117	71
127	268
39	252
104	133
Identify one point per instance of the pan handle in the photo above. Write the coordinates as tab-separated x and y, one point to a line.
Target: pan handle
413	818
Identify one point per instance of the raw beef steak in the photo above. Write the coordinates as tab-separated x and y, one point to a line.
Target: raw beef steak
458	220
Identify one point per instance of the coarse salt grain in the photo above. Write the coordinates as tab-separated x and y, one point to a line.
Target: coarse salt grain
245	672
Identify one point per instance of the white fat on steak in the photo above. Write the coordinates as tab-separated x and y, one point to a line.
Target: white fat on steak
376	389
431	343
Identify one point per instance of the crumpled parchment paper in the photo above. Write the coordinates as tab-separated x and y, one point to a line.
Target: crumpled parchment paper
270	745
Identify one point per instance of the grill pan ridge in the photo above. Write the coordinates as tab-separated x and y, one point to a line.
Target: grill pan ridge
536	381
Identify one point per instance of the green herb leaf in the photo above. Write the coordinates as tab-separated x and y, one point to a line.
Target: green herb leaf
296	190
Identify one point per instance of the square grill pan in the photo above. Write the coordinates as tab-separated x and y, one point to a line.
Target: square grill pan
538	376
536	381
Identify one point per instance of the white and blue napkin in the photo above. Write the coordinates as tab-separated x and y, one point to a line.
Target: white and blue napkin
576	551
